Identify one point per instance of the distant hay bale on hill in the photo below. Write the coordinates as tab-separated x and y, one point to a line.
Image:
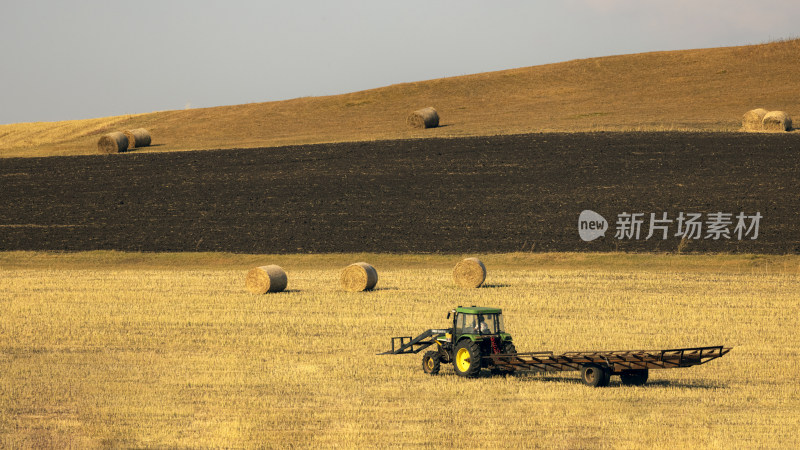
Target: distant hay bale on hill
469	273
424	118
261	280
777	121
359	277
137	138
115	142
751	121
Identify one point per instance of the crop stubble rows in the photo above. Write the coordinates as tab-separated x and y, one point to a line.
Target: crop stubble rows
160	358
488	194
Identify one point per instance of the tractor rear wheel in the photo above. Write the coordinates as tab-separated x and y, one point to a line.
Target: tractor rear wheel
431	363
634	377
467	361
595	375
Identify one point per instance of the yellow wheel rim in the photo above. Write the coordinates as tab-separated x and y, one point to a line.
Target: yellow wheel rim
462	359
429	363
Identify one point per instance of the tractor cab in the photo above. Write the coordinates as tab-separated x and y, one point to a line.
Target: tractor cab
477	322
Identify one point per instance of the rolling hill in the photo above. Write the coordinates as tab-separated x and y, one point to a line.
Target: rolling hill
704	90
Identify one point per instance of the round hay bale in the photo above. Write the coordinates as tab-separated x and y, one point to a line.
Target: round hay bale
469	273
137	138
261	280
751	121
359	277
115	142
777	121
424	118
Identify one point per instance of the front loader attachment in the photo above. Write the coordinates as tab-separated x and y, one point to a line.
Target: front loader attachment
404	344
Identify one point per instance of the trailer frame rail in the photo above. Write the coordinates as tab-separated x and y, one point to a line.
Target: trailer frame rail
616	361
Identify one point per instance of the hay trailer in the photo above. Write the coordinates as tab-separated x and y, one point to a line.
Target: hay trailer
478	340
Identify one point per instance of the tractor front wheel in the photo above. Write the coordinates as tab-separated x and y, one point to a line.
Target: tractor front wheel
431	363
595	375
467	361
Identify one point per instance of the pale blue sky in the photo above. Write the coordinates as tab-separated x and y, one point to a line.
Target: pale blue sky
82	59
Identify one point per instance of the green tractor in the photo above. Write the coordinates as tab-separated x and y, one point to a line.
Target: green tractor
476	332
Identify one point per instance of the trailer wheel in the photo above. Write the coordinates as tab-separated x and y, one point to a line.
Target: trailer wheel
467	361
431	363
634	377
595	375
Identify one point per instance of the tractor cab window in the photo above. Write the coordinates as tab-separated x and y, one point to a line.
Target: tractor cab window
479	324
489	324
465	324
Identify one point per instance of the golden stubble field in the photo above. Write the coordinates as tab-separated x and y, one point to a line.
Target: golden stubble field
123	350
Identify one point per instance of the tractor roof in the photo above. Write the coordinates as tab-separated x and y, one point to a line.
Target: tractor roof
478	310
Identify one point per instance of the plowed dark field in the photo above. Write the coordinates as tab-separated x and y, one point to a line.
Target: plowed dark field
493	194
